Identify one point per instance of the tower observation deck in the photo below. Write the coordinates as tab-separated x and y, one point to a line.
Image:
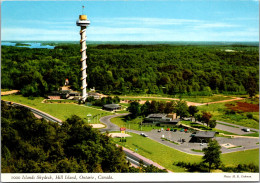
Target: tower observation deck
83	22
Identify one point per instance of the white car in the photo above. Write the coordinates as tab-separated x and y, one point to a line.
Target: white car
246	129
144	135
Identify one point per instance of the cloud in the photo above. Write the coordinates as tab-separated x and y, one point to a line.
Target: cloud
135	29
214	25
144	21
125	30
159	22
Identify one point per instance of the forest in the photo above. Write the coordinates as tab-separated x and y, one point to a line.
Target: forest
32	145
128	69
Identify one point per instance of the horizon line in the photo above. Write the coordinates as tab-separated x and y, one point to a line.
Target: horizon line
117	41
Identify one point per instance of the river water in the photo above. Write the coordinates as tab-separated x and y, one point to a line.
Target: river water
30	45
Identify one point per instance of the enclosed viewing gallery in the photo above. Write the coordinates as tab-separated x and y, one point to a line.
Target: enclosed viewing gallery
111	107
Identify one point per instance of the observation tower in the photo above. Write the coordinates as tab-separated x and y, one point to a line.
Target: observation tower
83	22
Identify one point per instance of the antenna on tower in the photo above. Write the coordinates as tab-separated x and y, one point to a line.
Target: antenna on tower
83	9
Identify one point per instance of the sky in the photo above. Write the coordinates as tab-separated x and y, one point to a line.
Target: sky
132	20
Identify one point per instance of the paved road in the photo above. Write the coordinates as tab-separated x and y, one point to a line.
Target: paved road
37	112
110	126
134	158
239	126
237	129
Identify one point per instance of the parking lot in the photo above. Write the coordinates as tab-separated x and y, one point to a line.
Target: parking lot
176	142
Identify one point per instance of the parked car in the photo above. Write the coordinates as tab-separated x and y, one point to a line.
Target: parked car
168	129
186	119
144	135
172	129
159	130
246	129
175	130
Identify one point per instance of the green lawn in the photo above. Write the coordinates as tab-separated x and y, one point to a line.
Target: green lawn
197	99
60	111
142	98
166	156
218	110
197	150
157	152
241	157
4	90
205	99
252	134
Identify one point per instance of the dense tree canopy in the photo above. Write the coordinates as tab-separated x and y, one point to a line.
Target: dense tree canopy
122	69
179	107
30	145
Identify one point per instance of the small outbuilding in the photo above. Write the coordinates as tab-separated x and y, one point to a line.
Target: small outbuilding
162	118
202	136
111	107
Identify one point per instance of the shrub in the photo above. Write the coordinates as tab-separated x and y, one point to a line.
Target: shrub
249	116
212	123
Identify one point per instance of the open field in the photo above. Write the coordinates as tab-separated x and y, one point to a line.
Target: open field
166	156
241	157
243	106
60	111
219	111
195	99
206	99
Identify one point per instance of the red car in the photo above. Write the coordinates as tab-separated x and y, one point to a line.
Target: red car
168	129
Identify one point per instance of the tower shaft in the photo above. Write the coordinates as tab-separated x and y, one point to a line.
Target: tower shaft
83	62
83	23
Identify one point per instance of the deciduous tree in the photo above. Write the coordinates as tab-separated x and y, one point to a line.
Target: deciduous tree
212	155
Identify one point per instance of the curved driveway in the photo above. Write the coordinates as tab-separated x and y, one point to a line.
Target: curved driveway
110	126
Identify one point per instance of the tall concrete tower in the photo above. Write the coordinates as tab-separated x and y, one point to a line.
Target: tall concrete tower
83	22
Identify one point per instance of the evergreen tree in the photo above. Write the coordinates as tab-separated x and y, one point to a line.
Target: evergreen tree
212	155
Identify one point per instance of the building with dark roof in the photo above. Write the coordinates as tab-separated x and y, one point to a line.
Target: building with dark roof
202	136
111	107
162	118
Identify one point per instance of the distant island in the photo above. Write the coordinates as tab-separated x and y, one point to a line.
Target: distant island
22	44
